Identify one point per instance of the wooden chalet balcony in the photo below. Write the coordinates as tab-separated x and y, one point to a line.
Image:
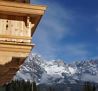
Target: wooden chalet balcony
18	22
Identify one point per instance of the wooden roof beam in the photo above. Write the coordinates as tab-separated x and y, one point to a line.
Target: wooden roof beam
21	8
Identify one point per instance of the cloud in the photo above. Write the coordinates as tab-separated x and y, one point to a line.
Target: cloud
78	50
96	29
55	26
87	77
97	22
95	57
56	21
73	52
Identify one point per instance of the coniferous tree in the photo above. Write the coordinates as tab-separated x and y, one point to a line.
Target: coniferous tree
19	86
94	88
50	89
88	86
34	86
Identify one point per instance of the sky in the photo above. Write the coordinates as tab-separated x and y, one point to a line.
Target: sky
68	31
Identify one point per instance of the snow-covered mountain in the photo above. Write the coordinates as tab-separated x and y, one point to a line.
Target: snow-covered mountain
50	72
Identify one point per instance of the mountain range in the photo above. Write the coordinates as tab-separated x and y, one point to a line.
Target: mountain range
42	71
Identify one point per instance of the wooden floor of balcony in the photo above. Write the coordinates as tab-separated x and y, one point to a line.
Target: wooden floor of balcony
8	71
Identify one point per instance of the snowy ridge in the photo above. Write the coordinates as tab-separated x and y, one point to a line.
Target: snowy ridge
51	72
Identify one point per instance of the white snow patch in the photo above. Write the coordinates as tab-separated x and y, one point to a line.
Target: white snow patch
88	77
54	69
72	70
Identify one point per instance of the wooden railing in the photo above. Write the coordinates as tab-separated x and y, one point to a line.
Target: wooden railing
15	37
21	39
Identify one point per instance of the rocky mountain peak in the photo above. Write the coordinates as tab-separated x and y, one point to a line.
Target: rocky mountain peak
37	69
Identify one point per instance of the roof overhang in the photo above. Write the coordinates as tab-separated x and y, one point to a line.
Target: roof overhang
21	8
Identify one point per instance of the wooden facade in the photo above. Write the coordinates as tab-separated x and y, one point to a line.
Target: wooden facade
19	1
18	22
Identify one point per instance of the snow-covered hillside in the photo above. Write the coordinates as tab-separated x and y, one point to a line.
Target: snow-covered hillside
50	72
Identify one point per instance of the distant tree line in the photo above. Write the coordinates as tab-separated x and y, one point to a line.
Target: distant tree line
28	86
19	86
89	86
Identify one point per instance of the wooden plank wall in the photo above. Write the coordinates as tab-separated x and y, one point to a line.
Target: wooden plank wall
20	1
15	26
